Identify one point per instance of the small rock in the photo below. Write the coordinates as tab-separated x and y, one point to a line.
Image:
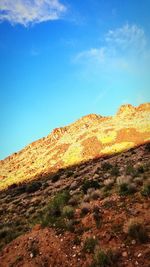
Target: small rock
139	255
31	255
124	254
133	242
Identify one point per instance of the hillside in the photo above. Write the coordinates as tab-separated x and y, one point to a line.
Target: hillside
94	214
92	136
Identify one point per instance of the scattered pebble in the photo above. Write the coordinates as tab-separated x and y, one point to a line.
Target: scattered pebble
133	242
31	255
124	254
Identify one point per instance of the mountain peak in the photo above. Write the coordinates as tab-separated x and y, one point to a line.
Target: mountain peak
126	109
90	118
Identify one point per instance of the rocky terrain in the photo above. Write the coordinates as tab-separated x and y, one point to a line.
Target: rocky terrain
80	196
93	214
92	136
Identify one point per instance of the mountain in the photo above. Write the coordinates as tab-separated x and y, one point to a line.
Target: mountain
80	196
92	136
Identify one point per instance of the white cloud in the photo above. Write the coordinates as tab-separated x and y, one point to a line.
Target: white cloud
125	48
127	37
27	12
93	53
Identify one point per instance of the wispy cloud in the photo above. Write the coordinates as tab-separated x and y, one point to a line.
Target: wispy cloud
122	64
27	12
119	44
127	38
93	53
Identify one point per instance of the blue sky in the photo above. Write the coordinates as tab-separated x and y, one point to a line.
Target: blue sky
60	60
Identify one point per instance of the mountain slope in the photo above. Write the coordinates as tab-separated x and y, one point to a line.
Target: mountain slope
90	137
100	207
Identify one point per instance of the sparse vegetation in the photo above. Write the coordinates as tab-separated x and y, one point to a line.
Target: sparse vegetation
90	184
140	169
8	233
137	231
82	219
97	216
104	259
127	189
106	166
68	212
33	187
130	170
115	170
53	215
55	178
89	244
146	190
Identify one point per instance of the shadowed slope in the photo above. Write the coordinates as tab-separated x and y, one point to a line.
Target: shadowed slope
84	209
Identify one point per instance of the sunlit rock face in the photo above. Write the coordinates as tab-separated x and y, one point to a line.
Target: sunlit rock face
90	137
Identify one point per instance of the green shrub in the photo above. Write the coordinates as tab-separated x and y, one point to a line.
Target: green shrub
127	189
53	214
55	178
33	187
68	212
106	166
137	231
97	216
69	173
7	234
146	190
105	259
89	245
89	184
77	240
70	225
140	169
115	170
130	170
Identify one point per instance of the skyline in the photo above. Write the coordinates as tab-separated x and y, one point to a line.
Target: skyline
61	60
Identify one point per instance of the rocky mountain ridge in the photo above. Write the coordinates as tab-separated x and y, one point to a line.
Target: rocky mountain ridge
90	137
